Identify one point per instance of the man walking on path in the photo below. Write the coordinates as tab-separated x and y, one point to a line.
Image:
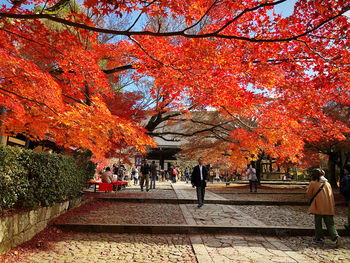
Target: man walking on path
145	170
199	180
345	190
153	174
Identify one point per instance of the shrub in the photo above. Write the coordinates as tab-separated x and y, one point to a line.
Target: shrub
29	179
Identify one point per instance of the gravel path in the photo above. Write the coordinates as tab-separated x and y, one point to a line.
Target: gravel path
289	215
53	245
104	247
109	212
265	197
136	193
319	252
240	248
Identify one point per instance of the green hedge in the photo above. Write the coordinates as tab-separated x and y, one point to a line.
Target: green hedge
30	179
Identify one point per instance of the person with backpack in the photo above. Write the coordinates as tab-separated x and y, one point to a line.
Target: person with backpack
345	191
322	206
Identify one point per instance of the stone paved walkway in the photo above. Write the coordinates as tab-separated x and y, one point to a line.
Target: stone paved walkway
56	246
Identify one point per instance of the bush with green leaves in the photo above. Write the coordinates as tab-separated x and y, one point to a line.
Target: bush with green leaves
30	179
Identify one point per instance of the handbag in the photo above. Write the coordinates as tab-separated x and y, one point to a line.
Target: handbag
319	190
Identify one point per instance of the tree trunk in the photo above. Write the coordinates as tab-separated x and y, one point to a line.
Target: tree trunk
87	95
2	112
344	159
258	169
331	169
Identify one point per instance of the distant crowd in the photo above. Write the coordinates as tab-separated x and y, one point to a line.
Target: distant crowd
319	190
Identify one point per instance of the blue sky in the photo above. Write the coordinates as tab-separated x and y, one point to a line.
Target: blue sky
286	8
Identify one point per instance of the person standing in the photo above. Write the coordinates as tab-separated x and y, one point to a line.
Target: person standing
187	174
174	174
322	206
251	174
199	180
153	174
121	172
145	170
115	169
345	191
136	175
162	174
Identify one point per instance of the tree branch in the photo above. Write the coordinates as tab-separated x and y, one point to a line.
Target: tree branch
118	69
20	36
170	34
246	11
315	52
28	99
249	128
206	13
153	58
58	6
138	17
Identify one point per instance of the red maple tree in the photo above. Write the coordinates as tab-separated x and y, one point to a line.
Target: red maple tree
240	57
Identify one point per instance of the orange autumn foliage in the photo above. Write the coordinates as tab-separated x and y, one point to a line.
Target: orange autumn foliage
240	57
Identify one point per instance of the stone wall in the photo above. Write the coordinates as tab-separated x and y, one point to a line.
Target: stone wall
19	228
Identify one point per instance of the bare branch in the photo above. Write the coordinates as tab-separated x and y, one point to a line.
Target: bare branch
139	16
166	139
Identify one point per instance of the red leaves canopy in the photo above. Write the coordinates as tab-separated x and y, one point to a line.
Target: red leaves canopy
240	57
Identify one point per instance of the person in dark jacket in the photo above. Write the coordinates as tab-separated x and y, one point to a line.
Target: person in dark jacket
153	169
145	171
345	190
199	180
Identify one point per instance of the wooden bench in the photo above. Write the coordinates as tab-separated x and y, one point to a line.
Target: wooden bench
106	187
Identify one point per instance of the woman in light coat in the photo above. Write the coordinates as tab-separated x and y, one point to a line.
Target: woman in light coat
136	176
322	206
251	174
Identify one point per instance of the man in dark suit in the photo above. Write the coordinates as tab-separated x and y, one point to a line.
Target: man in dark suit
199	180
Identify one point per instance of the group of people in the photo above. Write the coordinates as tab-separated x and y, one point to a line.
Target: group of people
319	190
199	177
148	172
321	201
